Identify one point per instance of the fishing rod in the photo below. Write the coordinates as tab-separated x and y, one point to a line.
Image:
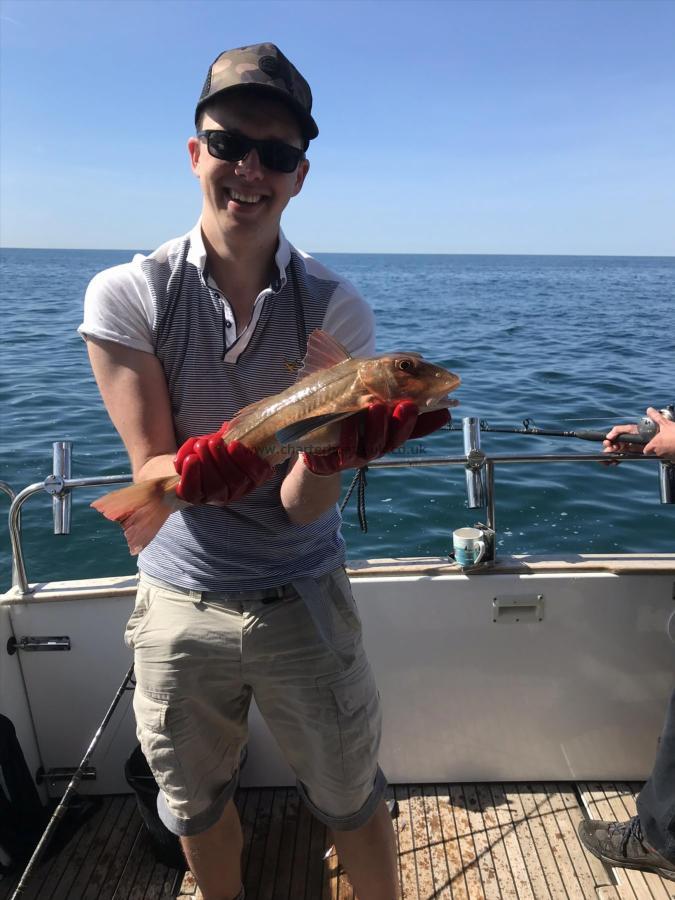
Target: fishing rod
647	429
60	810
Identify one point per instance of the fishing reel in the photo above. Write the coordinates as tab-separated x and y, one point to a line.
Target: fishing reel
648	429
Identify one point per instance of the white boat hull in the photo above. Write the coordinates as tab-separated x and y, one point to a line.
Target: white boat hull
570	682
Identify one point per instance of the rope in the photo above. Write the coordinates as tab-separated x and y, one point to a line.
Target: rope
362	482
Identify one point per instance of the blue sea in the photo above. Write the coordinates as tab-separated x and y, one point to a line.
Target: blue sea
570	342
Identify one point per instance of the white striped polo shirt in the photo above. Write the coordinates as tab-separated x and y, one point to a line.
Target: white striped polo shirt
165	304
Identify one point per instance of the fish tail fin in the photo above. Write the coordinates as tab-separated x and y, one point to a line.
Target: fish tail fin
141	509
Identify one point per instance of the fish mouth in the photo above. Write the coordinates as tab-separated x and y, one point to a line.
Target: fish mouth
448	382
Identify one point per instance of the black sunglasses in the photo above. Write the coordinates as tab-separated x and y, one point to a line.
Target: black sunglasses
232	146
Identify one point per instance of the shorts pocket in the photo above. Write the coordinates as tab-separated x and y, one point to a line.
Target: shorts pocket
140	611
150	711
157	745
357	718
346	619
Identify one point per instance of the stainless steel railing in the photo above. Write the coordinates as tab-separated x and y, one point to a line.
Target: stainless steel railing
6	489
479	467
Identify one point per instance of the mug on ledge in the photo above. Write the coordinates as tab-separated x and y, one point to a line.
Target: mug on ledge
469	546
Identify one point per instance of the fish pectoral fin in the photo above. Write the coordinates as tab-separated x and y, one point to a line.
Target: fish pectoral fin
293	433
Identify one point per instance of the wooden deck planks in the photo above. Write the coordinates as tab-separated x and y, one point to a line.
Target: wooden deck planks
90	864
286	858
531	807
466	878
455	842
111	860
448	840
478	830
300	862
579	880
493	833
438	852
91	839
589	872
405	845
317	870
420	843
270	860
512	846
162	883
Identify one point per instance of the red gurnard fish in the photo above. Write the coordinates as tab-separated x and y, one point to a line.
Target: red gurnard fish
331	386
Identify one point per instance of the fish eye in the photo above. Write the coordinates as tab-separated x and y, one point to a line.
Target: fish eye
405	364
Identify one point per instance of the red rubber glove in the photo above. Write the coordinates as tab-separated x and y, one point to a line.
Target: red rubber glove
429	422
378	430
211	471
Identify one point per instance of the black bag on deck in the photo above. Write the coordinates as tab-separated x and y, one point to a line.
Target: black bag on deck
22	815
140	779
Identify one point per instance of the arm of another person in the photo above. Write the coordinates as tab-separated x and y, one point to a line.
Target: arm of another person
661	445
135	394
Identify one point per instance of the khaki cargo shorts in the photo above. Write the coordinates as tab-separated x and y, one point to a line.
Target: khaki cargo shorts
201	656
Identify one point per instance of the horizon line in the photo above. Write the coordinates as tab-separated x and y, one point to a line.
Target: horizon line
579	253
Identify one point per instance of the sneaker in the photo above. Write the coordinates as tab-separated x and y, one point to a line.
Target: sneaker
623	844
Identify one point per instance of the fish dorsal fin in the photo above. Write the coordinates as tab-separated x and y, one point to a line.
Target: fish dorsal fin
323	351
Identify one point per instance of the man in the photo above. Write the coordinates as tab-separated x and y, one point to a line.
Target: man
244	593
647	841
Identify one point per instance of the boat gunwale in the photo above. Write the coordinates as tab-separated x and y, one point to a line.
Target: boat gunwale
118	587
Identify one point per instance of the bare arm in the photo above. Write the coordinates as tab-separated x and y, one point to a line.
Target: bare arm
135	394
662	444
306	496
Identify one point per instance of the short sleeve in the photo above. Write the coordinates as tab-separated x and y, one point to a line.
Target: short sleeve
118	307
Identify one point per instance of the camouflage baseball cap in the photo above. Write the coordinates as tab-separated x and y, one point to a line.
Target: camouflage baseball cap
263	67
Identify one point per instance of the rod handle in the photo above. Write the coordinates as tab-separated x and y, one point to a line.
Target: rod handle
629	438
591	435
624	438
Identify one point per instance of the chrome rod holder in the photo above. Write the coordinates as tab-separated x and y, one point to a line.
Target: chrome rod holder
61	496
667	482
667	469
476	489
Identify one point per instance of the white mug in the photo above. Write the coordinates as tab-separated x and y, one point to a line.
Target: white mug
469	546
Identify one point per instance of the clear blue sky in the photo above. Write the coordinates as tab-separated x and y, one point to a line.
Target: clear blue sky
509	127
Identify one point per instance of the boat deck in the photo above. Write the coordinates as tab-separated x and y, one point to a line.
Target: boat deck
470	841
